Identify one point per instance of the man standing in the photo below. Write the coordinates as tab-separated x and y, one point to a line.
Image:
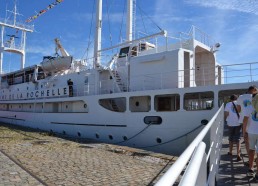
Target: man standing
243	102
252	132
231	116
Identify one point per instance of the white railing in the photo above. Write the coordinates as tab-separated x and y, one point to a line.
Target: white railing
17	24
238	73
201	36
196	172
235	73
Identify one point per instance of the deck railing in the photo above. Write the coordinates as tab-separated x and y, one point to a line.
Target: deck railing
225	74
200	160
238	73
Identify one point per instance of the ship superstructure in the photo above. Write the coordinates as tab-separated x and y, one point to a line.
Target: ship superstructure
150	96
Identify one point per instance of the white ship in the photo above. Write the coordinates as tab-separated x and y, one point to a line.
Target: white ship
150	95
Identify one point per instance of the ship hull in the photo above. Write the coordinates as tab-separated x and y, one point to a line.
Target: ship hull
171	136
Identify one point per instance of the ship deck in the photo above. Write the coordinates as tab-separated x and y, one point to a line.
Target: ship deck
33	157
231	172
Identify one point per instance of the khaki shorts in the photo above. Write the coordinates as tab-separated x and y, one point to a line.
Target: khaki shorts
253	141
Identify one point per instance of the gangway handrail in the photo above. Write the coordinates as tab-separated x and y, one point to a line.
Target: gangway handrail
191	173
172	174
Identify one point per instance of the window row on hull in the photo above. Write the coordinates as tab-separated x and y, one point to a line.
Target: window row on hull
162	103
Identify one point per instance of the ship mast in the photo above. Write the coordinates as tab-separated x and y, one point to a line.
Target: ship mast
97	44
129	26
10	45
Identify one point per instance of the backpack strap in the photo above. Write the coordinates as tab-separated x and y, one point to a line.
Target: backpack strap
236	110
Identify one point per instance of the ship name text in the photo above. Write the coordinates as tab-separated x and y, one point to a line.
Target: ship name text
43	93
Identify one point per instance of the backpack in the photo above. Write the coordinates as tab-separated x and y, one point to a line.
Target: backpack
255	102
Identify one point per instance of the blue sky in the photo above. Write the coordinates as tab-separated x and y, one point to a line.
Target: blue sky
233	23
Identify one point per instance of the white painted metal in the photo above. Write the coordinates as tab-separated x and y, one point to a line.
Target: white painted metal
60	47
2	49
161	33
175	170
56	63
23	45
97	44
138	76
195	168
13	48
129	26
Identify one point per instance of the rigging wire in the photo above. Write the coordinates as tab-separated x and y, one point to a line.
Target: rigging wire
138	133
89	38
109	27
143	22
174	139
149	18
120	32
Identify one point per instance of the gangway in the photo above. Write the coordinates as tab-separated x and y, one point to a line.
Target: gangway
196	170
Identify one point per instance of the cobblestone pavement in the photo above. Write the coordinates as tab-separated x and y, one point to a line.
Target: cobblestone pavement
29	157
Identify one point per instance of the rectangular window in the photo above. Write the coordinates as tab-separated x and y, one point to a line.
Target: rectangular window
140	103
169	102
198	101
123	52
114	104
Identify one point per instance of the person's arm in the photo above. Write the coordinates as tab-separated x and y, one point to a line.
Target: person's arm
247	114
245	126
238	108
226	113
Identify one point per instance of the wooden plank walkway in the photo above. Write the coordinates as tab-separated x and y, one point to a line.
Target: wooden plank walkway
232	172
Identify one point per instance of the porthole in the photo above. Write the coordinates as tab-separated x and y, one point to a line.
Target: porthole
41	86
204	122
64	133
137	103
30	106
27	88
85	105
125	138
110	137
97	135
66	106
79	134
152	120
158	140
42	106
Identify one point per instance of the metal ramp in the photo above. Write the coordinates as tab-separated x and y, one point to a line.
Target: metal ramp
196	166
232	172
